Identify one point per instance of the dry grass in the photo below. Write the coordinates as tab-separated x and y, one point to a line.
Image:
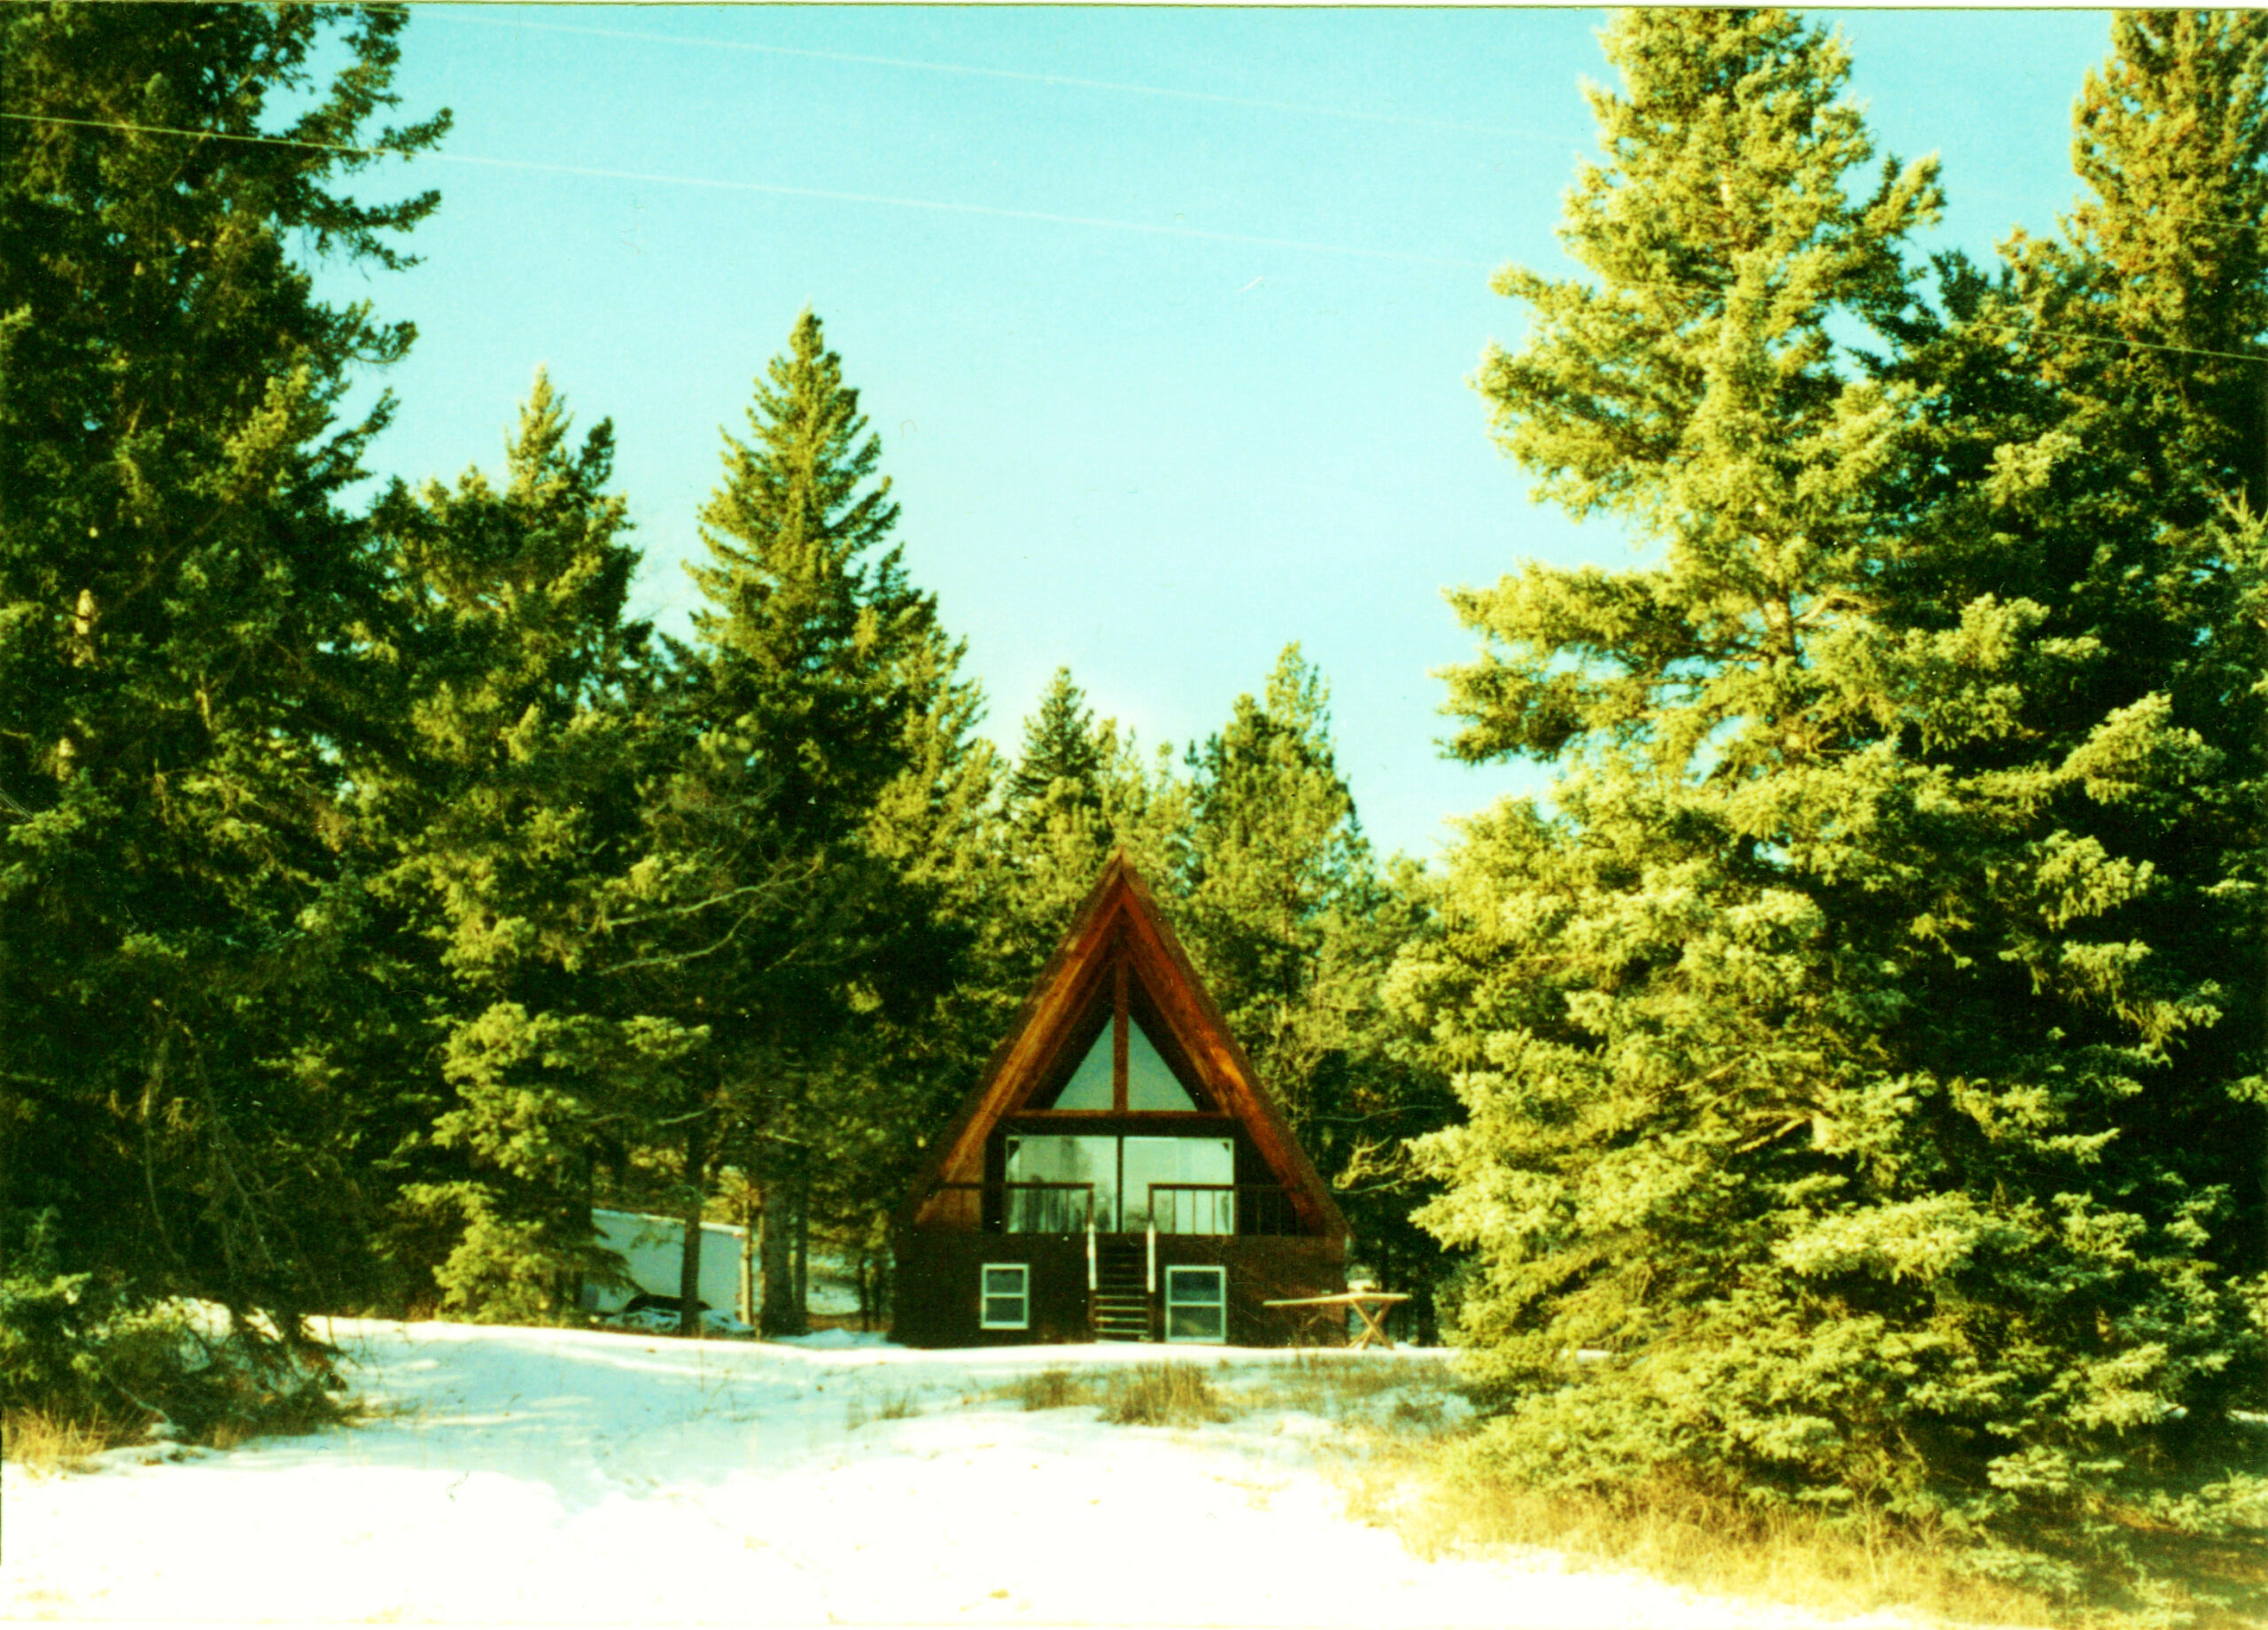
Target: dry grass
48	1441
1344	1387
896	1404
1795	1558
1162	1394
1399	1463
43	1441
1687	1538
1051	1389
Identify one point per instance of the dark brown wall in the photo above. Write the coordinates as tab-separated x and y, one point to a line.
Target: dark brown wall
934	1293
936	1290
1265	1268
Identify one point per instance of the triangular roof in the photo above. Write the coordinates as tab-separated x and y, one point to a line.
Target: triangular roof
1119	924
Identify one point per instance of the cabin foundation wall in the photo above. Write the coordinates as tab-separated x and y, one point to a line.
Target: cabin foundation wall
936	1290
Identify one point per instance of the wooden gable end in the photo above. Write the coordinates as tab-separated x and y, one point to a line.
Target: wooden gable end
1118	932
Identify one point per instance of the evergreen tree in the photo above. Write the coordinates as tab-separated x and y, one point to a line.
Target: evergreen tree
2093	450
2169	255
809	846
1055	831
1294	928
1061	746
180	686
515	816
1812	1056
1274	850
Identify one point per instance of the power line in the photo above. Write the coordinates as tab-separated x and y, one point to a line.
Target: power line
2120	339
1068	82
219	135
1530	137
777	190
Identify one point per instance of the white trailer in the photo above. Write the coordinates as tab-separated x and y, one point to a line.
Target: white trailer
653	1249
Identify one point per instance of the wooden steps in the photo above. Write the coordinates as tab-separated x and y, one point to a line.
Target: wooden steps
1121	1296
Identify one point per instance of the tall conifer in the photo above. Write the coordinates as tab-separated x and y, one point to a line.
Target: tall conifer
513	819
1294	925
1061	745
812	845
1810	1046
182	695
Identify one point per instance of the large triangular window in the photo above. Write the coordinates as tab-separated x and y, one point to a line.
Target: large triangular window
1150	1083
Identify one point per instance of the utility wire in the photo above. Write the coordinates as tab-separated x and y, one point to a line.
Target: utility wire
995	211
970	71
776	190
2119	339
1530	137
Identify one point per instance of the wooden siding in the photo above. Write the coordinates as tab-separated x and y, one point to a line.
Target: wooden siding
935	1292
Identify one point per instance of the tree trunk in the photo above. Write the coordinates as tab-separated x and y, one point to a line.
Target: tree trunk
571	1278
783	1316
696	1188
803	1242
751	1221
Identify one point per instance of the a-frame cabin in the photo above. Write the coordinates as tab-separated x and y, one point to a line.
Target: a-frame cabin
1119	1172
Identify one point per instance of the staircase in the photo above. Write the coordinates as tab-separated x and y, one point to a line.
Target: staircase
1121	1297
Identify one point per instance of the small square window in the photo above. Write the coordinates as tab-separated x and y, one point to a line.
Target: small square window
1196	1304
1005	1297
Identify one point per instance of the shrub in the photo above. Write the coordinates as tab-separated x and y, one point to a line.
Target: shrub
86	1364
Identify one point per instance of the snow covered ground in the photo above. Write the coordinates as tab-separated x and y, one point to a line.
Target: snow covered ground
539	1476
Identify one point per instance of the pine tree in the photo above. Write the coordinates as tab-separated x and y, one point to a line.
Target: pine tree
810	844
1811	1054
515	818
1080	791
2173	131
1276	843
1061	746
1052	837
1276	862
181	681
2169	252
2094	447
1293	926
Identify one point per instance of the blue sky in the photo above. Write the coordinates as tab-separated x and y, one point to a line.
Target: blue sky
1165	317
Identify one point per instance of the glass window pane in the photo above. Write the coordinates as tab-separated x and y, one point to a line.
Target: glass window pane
1150	1080
1006	1303
1089	1087
1196	1287
1196	1324
1061	1159
1210	1162
1196	1307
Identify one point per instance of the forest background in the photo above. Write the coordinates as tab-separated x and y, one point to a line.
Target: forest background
1858	1053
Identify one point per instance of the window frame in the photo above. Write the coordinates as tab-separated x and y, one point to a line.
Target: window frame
1220	1276
985	1295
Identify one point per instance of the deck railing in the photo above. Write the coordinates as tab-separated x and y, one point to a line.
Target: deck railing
1012	1208
1223	1208
1067	1208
